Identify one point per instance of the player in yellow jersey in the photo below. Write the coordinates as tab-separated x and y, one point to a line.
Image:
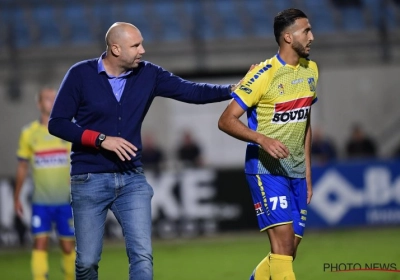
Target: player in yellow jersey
48	158
277	96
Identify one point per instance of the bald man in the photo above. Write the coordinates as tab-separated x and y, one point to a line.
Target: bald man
108	98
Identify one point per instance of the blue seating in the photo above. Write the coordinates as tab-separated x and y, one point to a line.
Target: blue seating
375	10
4	26
135	13
202	16
320	15
45	19
78	25
21	30
284	4
103	15
352	19
230	19
261	19
191	13
167	21
394	15
176	21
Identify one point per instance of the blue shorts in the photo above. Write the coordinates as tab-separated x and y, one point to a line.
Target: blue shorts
45	216
279	200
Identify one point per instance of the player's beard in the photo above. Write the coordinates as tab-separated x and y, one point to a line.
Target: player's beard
300	50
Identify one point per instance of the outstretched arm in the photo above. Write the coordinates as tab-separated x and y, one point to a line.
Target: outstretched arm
171	86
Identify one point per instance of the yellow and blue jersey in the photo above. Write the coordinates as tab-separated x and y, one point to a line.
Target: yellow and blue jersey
49	158
278	99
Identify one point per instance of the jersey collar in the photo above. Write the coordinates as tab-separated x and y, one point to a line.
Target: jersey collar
284	63
280	59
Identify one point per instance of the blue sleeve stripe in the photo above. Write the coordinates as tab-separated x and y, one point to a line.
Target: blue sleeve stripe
239	101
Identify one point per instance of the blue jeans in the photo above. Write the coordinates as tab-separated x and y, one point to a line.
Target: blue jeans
128	195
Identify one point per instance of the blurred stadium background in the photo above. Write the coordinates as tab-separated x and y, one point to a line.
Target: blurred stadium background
357	48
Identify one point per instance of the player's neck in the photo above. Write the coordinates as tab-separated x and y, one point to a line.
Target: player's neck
290	58
44	119
111	69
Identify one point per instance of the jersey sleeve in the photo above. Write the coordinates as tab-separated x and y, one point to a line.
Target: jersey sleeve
24	151
252	87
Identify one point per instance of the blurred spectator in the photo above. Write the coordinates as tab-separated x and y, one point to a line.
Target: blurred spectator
360	145
322	150
189	151
152	154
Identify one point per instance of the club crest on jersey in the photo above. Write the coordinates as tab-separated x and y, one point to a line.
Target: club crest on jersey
245	89
258	208
292	111
312	85
280	89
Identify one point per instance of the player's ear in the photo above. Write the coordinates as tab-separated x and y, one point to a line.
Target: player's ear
287	37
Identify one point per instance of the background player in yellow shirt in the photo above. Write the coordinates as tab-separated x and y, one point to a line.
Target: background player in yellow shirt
48	157
277	96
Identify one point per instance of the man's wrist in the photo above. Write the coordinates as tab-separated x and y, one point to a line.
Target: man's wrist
100	139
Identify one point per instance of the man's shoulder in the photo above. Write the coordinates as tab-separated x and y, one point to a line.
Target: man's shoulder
85	64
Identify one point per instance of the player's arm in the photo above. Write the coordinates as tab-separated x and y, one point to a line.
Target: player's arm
231	124
22	172
307	152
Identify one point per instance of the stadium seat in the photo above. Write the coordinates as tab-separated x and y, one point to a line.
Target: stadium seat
352	19
168	24
190	15
45	19
373	7
21	31
102	16
376	8
229	19
284	4
393	15
78	27
4	26
136	13
261	19
321	16
203	17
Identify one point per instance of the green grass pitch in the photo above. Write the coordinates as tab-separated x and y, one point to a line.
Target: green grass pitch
234	256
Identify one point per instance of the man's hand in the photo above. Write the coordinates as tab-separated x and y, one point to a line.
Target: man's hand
120	146
234	87
274	147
